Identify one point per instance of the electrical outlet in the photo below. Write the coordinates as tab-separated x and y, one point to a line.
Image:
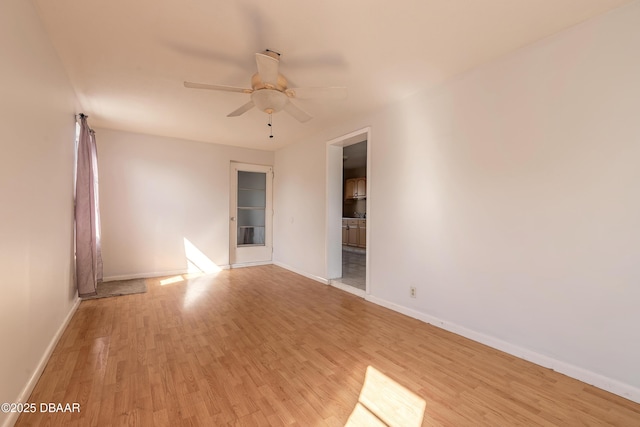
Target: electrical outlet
412	291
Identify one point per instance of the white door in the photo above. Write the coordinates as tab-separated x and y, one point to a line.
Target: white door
250	214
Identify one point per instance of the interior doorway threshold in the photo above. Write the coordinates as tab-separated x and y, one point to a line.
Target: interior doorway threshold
348	288
250	264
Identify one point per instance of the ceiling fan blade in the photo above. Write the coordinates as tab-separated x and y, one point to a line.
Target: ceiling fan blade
267	68
317	92
246	107
299	114
217	87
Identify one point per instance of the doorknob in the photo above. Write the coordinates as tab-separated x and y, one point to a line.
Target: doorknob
233	218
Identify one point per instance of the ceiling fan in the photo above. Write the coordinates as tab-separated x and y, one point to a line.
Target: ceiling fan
269	91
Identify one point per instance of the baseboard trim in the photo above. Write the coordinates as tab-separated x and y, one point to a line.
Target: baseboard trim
613	386
31	384
153	274
302	273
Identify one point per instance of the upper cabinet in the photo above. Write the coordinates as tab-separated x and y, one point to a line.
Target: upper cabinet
355	188
349	189
361	188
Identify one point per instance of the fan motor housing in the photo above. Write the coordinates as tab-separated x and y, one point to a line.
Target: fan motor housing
257	84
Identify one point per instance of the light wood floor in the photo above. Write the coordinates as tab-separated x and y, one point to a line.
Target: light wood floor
263	346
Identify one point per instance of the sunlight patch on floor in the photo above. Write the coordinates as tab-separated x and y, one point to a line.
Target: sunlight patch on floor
198	265
170	280
384	402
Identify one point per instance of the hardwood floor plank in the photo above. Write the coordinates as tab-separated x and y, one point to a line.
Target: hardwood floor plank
264	346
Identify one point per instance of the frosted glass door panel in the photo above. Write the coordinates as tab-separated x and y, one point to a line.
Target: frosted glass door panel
250	217
251	198
253	180
251	208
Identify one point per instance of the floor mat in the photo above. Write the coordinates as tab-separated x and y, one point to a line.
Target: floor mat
118	288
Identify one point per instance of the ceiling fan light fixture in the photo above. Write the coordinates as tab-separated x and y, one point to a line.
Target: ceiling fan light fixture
270	92
269	100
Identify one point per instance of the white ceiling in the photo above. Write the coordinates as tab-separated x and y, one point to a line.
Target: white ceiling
127	60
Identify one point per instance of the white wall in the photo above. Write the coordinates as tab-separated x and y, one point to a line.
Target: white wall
37	131
509	198
155	192
299	206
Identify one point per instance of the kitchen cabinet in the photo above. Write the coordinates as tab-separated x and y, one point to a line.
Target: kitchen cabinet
352	239
354	232
361	188
349	189
345	232
355	188
362	233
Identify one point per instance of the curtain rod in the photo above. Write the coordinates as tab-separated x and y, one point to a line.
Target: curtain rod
83	116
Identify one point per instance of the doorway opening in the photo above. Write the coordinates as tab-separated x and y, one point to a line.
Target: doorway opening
348	213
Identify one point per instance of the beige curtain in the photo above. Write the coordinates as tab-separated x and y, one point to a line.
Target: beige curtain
88	256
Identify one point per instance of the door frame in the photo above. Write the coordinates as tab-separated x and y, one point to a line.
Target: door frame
234	167
333	238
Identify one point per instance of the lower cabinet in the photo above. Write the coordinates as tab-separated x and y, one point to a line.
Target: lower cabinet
345	232
362	233
354	232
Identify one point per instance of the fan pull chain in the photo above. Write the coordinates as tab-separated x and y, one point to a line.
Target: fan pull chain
270	124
